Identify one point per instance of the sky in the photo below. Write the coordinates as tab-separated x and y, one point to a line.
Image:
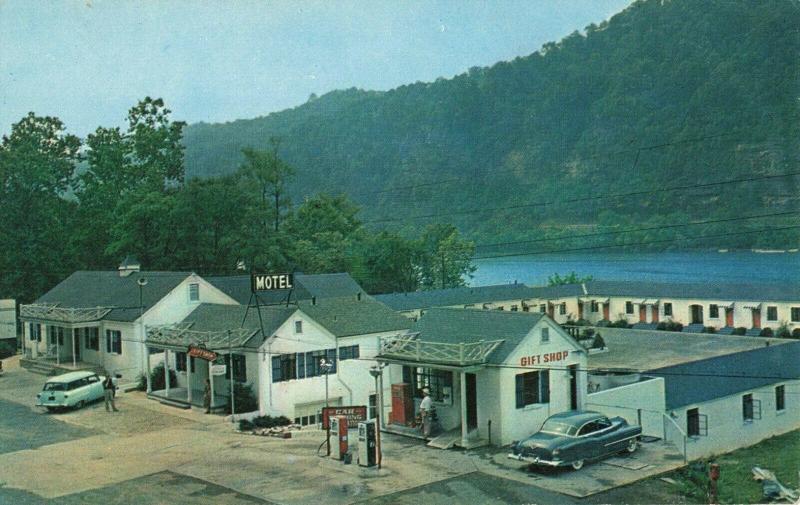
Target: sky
87	62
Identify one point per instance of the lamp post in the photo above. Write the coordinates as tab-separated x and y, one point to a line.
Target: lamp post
142	282
326	366
230	362
376	372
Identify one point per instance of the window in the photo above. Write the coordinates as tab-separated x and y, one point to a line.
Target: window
35	332
348	352
533	387
298	326
191	364
772	313
303	365
796	314
514	308
543	308
780	398
713	311
194	292
501	308
545	335
91	338
629	307
284	367
114	341
239	364
593	426
594	306
439	382
55	333
562	309
667	309
747	407
373	406
180	361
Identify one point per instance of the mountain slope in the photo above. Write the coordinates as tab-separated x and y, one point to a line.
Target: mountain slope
667	93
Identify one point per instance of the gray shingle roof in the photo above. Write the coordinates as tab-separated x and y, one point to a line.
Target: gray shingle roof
474	295
706	290
347	316
453	326
730	374
306	287
108	289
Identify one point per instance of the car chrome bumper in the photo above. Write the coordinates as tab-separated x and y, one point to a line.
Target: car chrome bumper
535	461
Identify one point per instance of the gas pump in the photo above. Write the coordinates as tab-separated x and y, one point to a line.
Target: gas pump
338	437
366	443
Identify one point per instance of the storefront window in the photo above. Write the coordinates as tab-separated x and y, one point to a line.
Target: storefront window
439	382
533	387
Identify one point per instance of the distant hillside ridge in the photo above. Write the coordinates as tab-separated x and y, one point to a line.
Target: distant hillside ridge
667	93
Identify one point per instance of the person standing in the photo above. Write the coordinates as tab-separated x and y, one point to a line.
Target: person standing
425	410
207	397
108	393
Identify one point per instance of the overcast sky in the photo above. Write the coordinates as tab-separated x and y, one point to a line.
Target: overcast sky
87	62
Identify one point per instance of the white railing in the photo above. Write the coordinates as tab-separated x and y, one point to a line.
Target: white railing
679	439
179	335
52	312
409	346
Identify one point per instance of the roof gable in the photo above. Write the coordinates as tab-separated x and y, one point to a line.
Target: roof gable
350	316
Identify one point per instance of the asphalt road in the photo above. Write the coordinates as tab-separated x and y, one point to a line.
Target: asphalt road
23	427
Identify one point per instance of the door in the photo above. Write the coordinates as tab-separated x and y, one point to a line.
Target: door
580	310
654	313
729	317
573	386
472	402
642	313
756	318
606	312
697	314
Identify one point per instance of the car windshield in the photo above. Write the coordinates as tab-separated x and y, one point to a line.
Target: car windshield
55	386
557	428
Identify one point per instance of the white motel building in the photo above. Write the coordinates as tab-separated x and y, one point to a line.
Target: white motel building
494	375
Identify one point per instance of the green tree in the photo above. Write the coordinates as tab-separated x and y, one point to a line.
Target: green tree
270	175
37	164
571	278
445	259
386	263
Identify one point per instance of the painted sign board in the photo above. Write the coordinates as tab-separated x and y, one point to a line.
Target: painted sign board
218	369
539	359
270	282
354	415
202	353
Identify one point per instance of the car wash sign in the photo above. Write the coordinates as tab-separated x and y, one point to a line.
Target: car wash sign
270	282
355	414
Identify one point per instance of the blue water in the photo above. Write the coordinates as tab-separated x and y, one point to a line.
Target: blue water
655	267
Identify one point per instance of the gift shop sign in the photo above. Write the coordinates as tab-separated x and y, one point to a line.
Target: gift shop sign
541	359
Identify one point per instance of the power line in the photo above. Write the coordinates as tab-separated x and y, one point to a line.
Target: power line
586	198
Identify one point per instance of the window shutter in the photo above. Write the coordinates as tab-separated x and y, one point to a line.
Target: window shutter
301	365
544	384
108	341
276	369
520	389
332	359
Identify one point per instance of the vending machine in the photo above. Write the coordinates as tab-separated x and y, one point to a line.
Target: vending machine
338	436
367	449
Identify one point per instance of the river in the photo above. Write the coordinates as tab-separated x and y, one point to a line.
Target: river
685	266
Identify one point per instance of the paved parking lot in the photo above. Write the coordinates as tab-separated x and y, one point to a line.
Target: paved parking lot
150	453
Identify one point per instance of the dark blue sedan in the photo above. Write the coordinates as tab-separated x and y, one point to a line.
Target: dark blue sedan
574	437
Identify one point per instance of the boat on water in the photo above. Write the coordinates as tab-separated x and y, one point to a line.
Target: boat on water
722	250
769	251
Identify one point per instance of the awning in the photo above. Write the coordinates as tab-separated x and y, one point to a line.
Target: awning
650	301
725	305
753	306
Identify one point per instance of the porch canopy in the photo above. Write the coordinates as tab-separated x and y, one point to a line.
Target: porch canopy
461	341
221	329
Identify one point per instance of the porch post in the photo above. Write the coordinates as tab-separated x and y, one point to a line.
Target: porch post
166	372
189	361
382	418
147	369
211	381
463	409
54	331
74	358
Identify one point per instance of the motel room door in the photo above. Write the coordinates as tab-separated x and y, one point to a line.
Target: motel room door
573	387
472	402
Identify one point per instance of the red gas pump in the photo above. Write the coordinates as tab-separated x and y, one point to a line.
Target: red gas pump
338	434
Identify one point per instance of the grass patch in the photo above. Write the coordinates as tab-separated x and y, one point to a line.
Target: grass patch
779	454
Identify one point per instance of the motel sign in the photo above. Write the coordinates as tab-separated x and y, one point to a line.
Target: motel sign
269	282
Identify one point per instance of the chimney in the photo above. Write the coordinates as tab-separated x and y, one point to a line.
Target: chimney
129	265
313	300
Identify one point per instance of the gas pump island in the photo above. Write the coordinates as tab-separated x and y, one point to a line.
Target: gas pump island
339	421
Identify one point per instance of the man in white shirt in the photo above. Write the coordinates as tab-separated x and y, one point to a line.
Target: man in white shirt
425	412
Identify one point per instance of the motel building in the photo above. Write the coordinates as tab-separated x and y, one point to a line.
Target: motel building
279	351
96	320
494	377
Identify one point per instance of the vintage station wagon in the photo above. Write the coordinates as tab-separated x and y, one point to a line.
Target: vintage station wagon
74	389
572	438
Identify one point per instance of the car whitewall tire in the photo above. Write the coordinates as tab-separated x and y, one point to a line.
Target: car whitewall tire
632	445
577	465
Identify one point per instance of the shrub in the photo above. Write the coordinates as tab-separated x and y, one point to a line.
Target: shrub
783	331
246	400
157	382
766	332
709	329
669	326
741	330
264	422
587	333
619	323
796	333
598	342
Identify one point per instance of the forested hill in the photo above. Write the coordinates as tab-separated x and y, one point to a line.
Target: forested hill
666	94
